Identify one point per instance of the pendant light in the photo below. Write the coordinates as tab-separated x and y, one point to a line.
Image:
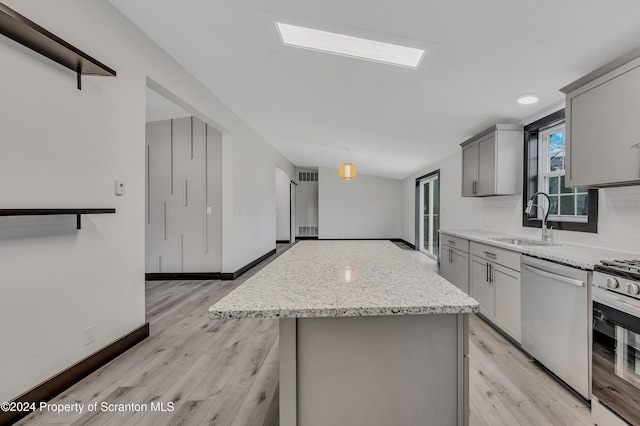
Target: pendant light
347	171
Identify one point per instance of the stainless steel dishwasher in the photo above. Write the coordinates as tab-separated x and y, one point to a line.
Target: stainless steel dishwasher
556	320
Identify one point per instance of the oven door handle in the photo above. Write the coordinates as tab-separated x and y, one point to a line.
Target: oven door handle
619	302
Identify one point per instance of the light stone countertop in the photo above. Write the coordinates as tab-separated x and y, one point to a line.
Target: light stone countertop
579	256
342	279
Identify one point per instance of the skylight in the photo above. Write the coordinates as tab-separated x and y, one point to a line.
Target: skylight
355	47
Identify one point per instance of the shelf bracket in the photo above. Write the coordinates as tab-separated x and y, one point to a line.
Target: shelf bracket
31	35
78	221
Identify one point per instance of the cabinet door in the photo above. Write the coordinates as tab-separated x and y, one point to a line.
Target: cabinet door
481	288
506	284
469	169
446	264
486	165
602	128
461	270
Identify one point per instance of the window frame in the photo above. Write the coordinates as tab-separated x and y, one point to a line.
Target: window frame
434	175
530	180
543	174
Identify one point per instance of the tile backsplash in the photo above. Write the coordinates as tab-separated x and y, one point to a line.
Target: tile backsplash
618	219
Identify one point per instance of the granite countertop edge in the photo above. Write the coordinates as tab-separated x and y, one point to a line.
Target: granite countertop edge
333	313
579	256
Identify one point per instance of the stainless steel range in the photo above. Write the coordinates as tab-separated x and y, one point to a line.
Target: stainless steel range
616	342
621	272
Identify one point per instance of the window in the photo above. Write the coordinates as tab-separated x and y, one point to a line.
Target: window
572	209
428	213
567	204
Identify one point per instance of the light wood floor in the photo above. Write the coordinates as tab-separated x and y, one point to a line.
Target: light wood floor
225	372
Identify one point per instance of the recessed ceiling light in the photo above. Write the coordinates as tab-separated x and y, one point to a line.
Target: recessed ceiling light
527	99
355	47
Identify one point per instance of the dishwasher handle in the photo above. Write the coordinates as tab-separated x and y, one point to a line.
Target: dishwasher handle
560	278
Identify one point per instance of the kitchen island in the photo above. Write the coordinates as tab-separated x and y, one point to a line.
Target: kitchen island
368	335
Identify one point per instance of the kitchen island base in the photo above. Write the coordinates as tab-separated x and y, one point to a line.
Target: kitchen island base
380	370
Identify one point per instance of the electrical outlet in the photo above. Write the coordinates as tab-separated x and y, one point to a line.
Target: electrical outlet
89	335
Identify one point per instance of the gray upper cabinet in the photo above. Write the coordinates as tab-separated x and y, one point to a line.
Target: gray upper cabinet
602	116
492	162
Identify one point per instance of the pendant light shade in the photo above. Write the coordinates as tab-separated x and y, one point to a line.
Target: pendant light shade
347	171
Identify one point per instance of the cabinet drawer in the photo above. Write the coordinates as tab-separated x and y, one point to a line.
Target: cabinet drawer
455	242
508	258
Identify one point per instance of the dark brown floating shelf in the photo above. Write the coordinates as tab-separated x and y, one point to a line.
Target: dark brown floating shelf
55	212
36	38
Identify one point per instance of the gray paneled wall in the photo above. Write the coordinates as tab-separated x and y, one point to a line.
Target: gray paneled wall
183	197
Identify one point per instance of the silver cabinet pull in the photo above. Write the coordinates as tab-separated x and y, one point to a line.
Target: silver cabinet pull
490	254
453	243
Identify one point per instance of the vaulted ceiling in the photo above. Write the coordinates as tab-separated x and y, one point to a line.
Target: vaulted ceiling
312	106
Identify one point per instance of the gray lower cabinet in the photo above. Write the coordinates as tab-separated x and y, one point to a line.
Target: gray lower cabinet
481	286
491	162
602	126
454	261
495	283
507	311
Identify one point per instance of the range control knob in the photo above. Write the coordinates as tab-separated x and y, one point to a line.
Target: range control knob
612	283
633	289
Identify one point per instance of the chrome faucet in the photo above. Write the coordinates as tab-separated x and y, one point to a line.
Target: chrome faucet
546	232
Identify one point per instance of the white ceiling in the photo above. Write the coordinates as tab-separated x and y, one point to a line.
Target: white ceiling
395	121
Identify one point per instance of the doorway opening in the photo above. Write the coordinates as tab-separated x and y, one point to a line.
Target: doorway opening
183	192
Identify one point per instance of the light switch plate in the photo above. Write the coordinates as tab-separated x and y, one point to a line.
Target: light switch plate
119	187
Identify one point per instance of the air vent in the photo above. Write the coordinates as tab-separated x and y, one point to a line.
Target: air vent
308	176
307	231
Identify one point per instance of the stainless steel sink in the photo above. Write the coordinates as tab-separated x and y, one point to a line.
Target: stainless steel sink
522	241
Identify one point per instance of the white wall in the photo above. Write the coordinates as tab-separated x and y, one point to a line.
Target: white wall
62	147
456	212
182	233
283	213
248	197
365	207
